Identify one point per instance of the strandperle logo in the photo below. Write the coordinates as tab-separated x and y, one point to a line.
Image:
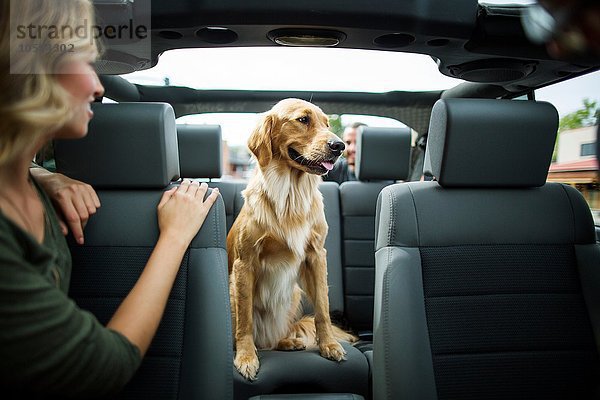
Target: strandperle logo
122	26
83	31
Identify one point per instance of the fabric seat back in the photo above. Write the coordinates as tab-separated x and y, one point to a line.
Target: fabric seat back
484	278
382	157
130	156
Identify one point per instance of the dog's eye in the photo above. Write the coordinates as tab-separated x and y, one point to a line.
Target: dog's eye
304	120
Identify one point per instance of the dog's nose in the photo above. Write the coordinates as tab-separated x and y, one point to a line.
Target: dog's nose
336	146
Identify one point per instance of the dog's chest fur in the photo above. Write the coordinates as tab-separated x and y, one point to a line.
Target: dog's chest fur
286	206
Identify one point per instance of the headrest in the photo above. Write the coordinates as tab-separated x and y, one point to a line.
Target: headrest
382	153
490	143
128	145
200	151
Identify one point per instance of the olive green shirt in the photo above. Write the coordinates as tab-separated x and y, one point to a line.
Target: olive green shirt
49	346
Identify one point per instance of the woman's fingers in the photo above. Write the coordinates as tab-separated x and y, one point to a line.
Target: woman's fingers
182	210
76	201
202	188
184	186
166	196
210	200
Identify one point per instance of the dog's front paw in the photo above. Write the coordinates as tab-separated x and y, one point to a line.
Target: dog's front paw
247	364
333	351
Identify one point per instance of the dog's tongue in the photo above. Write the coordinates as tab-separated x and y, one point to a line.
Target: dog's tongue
328	165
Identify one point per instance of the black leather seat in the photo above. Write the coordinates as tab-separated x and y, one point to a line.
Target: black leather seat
130	156
382	157
487	281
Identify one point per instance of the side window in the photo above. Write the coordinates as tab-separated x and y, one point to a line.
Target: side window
575	158
588	149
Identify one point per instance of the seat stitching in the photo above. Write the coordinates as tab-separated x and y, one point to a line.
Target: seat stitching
391	231
228	327
185	307
572	211
386	341
412	196
216	227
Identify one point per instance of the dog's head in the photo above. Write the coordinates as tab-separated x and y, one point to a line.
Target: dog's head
295	133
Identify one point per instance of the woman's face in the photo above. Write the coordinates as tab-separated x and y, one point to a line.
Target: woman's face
79	78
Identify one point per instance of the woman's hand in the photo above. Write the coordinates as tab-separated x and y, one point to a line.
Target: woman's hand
75	201
182	210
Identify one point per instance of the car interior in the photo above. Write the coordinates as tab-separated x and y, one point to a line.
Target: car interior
483	283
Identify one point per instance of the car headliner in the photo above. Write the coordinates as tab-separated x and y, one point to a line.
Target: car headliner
480	43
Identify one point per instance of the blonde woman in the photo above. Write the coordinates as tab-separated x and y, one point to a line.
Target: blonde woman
47	345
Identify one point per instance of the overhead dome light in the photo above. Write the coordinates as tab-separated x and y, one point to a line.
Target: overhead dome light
299	37
306	40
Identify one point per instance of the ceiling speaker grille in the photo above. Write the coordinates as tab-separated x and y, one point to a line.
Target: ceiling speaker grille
492	70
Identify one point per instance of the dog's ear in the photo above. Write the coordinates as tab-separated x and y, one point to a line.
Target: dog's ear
259	142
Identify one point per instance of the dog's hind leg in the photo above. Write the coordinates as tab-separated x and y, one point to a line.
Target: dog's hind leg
302	335
340	334
301	331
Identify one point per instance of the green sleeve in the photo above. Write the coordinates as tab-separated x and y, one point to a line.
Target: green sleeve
49	345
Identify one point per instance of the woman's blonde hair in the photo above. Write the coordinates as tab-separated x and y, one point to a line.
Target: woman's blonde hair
36	37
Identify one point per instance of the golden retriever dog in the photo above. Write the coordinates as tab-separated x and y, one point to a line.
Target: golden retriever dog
276	244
